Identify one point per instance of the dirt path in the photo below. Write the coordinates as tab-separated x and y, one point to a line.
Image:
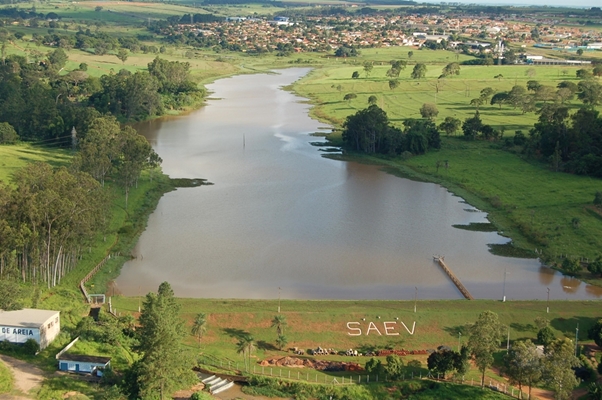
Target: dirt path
27	377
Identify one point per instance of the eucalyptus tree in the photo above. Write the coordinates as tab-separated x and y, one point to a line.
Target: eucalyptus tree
99	148
559	362
485	337
135	154
55	212
523	365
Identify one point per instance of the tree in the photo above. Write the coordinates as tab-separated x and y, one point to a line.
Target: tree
533	85
122	54
8	135
595	332
410	54
279	322
57	59
598	199
485	336
558	371
523	366
545	336
393	83
498	77
246	345
450	125
372	100
374	366
134	156
472	126
590	92
368	67
355	75
584	74
99	148
369	131
451	69
499	99
199	326
516	96
442	361
11	295
419	71
394	368
429	111
282	341
486	94
477	102
579	52
349	97
164	366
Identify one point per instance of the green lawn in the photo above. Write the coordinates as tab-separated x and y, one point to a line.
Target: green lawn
327	86
14	157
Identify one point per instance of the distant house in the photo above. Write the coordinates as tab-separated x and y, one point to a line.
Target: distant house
20	325
83	364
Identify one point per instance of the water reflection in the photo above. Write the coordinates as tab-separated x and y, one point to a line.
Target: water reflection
281	215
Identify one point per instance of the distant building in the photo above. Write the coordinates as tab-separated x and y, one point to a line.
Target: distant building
281	21
20	325
93	365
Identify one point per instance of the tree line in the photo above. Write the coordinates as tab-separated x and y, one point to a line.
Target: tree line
43	105
370	131
49	215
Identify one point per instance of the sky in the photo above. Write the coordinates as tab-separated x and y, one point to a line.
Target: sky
556	3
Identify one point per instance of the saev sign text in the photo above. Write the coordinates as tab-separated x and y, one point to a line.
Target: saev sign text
387	328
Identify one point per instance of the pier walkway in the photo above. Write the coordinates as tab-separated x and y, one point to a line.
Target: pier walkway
453	278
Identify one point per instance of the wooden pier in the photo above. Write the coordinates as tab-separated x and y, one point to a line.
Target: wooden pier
453	278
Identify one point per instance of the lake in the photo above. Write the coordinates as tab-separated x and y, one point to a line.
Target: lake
280	215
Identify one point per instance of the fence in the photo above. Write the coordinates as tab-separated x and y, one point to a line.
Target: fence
355	379
82	283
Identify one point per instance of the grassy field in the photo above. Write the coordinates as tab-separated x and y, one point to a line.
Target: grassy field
323	323
15	157
327	87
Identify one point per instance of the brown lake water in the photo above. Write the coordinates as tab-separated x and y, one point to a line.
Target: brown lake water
280	215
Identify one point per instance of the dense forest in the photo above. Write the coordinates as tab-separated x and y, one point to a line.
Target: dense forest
47	216
43	105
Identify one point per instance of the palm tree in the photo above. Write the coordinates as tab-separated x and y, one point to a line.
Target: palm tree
282	341
246	345
199	326
279	322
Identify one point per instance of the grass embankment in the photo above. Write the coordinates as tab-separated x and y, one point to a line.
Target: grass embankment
6	379
419	390
324	323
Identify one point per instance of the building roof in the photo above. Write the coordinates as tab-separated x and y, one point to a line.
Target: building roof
26	318
84	358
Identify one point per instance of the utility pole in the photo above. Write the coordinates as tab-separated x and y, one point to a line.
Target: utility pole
504	288
279	299
548	304
576	338
508	342
415	297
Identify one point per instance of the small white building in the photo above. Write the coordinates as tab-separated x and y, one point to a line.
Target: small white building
83	364
20	325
